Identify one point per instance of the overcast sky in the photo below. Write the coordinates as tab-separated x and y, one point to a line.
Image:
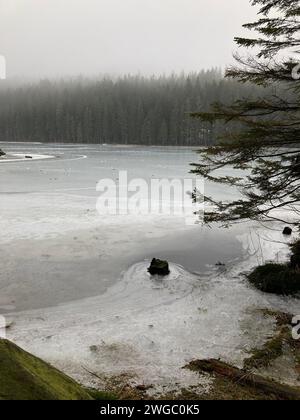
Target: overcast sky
52	38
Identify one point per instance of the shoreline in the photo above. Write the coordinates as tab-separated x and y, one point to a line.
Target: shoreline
21	157
142	332
139	330
120	145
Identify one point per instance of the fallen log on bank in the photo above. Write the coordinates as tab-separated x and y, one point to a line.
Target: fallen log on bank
246	378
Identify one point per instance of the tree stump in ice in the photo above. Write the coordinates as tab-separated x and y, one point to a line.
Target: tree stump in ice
159	267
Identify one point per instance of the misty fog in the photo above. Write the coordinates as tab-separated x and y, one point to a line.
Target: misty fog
53	38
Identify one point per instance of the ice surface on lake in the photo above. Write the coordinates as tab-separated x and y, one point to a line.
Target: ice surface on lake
55	247
149	328
76	287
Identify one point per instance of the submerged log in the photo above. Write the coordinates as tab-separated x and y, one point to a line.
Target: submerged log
246	378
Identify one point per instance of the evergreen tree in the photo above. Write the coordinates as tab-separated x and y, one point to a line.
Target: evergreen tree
163	133
129	110
261	135
146	135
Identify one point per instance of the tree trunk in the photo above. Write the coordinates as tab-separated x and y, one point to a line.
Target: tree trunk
282	392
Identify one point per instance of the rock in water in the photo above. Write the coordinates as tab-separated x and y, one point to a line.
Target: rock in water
2	153
159	267
287	231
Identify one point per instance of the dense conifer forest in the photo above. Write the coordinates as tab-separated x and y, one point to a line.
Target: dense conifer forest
127	110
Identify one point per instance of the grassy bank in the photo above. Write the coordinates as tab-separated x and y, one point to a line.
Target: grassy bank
25	377
280	279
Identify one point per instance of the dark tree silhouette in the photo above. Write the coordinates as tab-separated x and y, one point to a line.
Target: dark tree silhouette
129	110
261	135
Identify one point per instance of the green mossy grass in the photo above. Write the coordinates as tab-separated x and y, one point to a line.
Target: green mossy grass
275	346
272	350
25	377
279	279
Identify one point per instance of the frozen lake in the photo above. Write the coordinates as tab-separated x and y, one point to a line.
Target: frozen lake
74	286
56	248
